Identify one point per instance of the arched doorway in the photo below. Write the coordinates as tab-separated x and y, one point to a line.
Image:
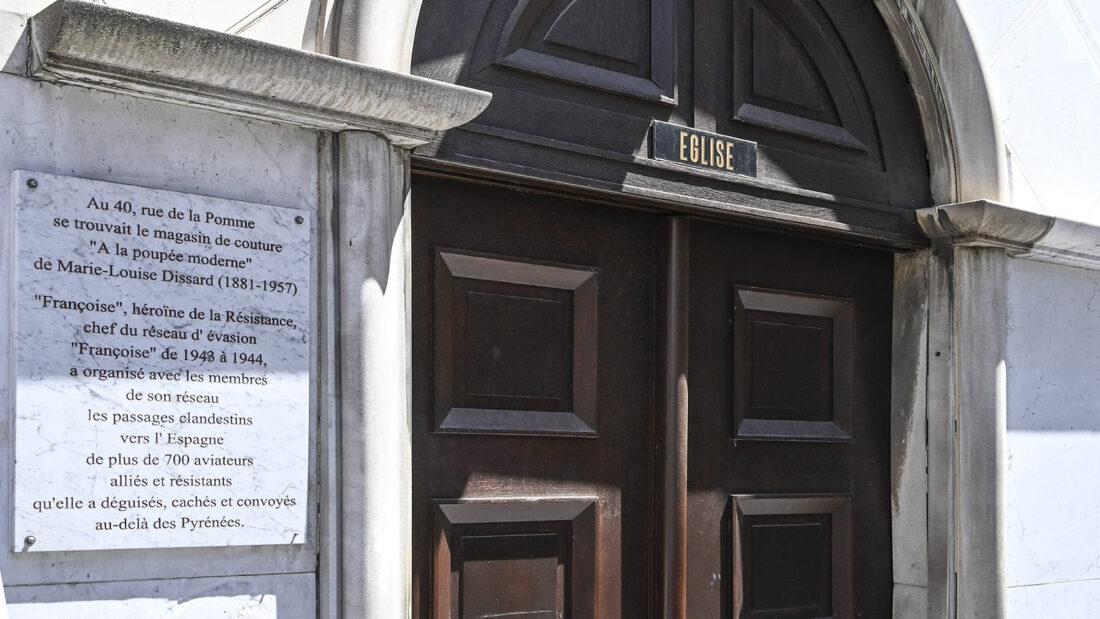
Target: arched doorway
639	387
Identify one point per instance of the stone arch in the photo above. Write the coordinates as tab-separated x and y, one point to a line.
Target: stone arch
379	33
965	148
963	141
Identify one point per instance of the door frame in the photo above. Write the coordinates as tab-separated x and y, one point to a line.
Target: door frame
967	162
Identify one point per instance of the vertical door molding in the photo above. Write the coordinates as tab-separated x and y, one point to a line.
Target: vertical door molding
675	248
909	434
941	421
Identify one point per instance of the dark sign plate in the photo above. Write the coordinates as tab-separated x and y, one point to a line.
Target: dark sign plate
703	149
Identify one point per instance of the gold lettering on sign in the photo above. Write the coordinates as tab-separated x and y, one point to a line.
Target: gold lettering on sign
706	150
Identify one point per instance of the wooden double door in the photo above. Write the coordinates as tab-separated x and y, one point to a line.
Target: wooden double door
620	413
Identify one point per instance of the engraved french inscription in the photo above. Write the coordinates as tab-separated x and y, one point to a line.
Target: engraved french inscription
161	365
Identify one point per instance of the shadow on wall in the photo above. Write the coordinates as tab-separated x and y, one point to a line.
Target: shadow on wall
1053	334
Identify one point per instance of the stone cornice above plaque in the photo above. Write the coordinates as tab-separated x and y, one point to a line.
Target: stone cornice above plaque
1021	233
105	48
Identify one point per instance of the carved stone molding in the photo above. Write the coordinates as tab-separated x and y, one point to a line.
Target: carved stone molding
1022	234
104	48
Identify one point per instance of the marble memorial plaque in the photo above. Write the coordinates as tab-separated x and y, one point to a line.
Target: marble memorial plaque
161	368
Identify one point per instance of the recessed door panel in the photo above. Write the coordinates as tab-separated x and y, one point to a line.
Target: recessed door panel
792	365
500	558
515	345
792	557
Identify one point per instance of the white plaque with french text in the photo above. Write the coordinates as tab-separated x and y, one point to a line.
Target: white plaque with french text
161	368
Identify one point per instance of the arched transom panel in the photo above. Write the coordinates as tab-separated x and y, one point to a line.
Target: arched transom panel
814	87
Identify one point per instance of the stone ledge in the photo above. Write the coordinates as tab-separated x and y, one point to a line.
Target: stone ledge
100	47
1022	234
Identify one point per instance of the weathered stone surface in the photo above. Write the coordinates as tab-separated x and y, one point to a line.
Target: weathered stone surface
965	147
984	224
263	596
376	440
95	134
1022	234
100	47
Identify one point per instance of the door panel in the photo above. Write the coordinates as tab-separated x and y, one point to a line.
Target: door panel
515	558
792	366
792	556
788	431
533	474
515	346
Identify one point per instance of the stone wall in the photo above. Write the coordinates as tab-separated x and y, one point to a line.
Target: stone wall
95	93
1043	60
74	131
1053	441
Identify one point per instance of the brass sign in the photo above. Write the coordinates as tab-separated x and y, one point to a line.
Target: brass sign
703	149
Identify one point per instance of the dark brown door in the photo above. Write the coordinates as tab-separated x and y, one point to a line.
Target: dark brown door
789	385
546	484
532	359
